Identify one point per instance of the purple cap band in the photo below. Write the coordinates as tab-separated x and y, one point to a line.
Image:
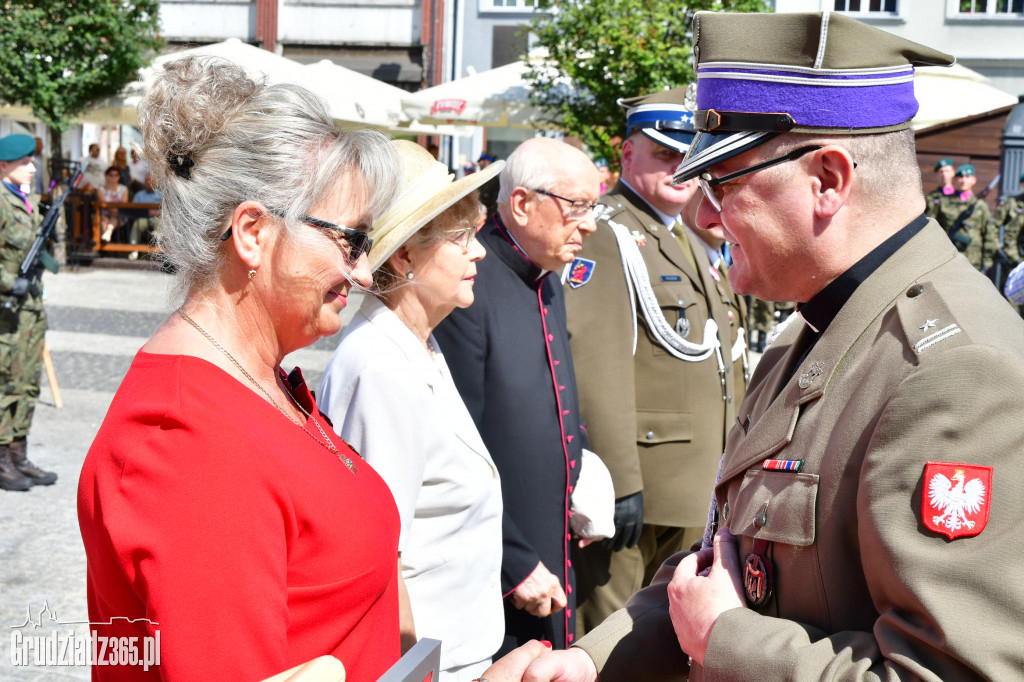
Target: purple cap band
817	106
810	78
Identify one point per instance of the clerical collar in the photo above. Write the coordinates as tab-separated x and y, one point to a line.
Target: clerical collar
666	219
522	264
826	304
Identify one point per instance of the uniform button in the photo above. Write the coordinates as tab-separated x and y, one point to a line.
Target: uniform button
762	518
730	399
561	388
545	311
564	412
568	537
650	435
568	589
725	511
551	337
914	291
557	363
568	613
571	637
570	489
568	439
572	464
682	303
568	562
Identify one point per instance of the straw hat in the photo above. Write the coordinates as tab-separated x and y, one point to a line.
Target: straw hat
427	190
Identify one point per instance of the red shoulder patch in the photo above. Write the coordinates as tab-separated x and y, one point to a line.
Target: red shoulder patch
955	498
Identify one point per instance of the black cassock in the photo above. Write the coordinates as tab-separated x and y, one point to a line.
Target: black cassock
509	356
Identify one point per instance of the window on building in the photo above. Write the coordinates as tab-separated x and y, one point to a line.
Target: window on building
886	6
508	4
991	7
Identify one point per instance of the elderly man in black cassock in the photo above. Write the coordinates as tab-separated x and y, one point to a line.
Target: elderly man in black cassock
509	357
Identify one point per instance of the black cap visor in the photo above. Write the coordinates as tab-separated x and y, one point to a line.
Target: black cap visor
707	149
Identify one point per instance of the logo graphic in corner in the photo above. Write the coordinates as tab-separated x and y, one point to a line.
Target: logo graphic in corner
580	272
956	498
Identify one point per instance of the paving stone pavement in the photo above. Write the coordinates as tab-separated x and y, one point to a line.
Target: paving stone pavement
98	319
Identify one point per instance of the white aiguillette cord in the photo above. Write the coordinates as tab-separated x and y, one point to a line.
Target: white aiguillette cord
325	443
639	284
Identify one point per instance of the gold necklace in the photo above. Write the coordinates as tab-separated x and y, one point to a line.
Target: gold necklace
325	443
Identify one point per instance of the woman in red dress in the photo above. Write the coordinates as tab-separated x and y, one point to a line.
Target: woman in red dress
222	518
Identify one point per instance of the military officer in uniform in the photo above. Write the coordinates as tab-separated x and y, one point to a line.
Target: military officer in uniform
653	338
944	169
869	501
22	320
966	219
1009	216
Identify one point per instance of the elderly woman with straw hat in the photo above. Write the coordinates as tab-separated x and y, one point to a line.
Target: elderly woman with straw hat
389	393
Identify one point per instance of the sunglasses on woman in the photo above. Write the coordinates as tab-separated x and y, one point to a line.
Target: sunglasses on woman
357	240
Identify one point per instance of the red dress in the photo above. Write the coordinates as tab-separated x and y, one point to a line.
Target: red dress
207	511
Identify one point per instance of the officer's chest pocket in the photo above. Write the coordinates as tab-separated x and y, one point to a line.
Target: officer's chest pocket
777	506
678	303
654	427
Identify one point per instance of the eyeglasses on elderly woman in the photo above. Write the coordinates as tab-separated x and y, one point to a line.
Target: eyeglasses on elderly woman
463	236
357	239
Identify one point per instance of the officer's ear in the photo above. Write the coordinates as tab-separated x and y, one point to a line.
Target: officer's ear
833	174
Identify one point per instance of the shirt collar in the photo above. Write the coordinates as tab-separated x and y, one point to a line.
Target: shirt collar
826	304
666	219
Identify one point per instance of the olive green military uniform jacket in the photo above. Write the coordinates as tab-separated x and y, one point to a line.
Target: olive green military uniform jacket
923	363
18	230
978	227
1010	216
658	422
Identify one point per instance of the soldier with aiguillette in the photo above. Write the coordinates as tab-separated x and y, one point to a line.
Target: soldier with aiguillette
22	320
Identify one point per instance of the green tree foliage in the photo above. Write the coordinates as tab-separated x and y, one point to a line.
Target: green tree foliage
57	56
601	50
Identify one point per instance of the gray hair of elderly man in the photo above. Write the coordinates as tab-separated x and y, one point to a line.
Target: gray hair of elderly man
214	138
531	166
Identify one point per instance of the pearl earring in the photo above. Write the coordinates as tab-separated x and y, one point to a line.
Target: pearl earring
252	273
408	274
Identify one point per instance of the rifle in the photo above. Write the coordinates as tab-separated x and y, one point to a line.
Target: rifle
37	253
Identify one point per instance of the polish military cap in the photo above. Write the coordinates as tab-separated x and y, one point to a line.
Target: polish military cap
943	163
1022	178
663	116
965	170
763	74
14	147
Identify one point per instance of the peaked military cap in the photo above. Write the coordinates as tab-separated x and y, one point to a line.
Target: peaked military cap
943	163
763	74
965	170
664	116
14	147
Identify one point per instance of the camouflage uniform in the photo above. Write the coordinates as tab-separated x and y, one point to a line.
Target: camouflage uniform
22	322
977	239
1010	216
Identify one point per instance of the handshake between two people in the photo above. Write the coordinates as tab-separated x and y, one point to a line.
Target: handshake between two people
701	586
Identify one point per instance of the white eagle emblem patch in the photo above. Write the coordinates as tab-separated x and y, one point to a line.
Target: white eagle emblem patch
956	502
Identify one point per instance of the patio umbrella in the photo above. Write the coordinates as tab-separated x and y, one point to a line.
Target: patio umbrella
499	98
947	94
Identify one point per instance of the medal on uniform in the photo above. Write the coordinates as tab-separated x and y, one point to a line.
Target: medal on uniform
758	575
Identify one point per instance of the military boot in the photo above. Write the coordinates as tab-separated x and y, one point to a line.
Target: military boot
10	477
19	456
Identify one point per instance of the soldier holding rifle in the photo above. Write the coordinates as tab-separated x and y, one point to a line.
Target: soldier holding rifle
22	320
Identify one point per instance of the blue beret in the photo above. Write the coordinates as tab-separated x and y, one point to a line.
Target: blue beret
14	147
